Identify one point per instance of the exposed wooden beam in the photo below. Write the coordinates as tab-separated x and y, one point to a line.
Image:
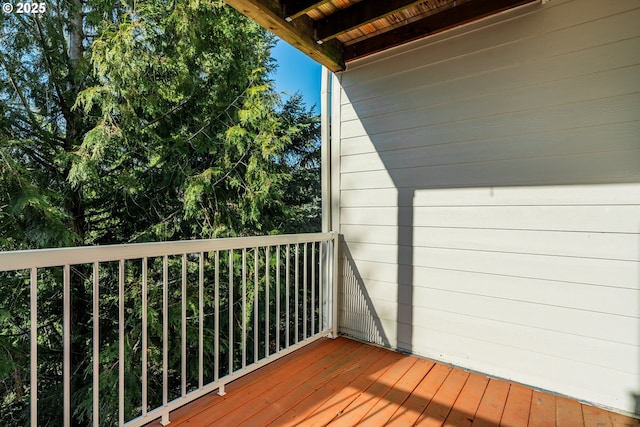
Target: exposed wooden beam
299	33
292	9
449	18
358	15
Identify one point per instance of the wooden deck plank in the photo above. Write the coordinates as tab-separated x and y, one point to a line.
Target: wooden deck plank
321	407
310	351
357	409
304	398
408	414
543	410
491	407
464	410
251	389
568	413
342	382
298	396
595	417
517	408
440	406
334	406
270	402
382	411
618	420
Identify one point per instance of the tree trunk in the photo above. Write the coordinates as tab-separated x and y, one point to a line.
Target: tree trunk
81	304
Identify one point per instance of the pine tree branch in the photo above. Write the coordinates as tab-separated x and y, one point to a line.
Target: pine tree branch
23	99
47	57
171	110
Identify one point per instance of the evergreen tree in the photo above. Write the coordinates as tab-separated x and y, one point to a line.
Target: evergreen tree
43	67
130	122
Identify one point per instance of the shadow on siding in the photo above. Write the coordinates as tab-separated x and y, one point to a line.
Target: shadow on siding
405	269
357	308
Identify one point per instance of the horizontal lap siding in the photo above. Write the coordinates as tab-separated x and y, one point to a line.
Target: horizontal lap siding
490	198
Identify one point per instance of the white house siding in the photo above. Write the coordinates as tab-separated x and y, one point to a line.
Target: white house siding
490	198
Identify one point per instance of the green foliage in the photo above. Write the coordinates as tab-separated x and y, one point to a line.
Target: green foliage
192	137
130	122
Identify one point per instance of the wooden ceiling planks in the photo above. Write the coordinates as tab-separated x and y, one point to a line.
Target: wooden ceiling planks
432	23
357	15
292	9
334	32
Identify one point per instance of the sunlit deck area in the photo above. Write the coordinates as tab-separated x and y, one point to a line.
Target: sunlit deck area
343	382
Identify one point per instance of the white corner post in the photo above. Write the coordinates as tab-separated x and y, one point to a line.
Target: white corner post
325	149
330	189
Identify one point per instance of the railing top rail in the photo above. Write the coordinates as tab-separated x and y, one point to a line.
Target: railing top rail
44	258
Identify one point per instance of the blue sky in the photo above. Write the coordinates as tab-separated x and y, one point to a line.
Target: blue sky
297	72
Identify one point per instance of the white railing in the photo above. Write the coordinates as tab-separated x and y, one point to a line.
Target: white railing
226	307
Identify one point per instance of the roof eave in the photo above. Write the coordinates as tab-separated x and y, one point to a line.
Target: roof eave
298	33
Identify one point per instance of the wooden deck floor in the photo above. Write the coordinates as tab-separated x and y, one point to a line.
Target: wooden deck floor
346	383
